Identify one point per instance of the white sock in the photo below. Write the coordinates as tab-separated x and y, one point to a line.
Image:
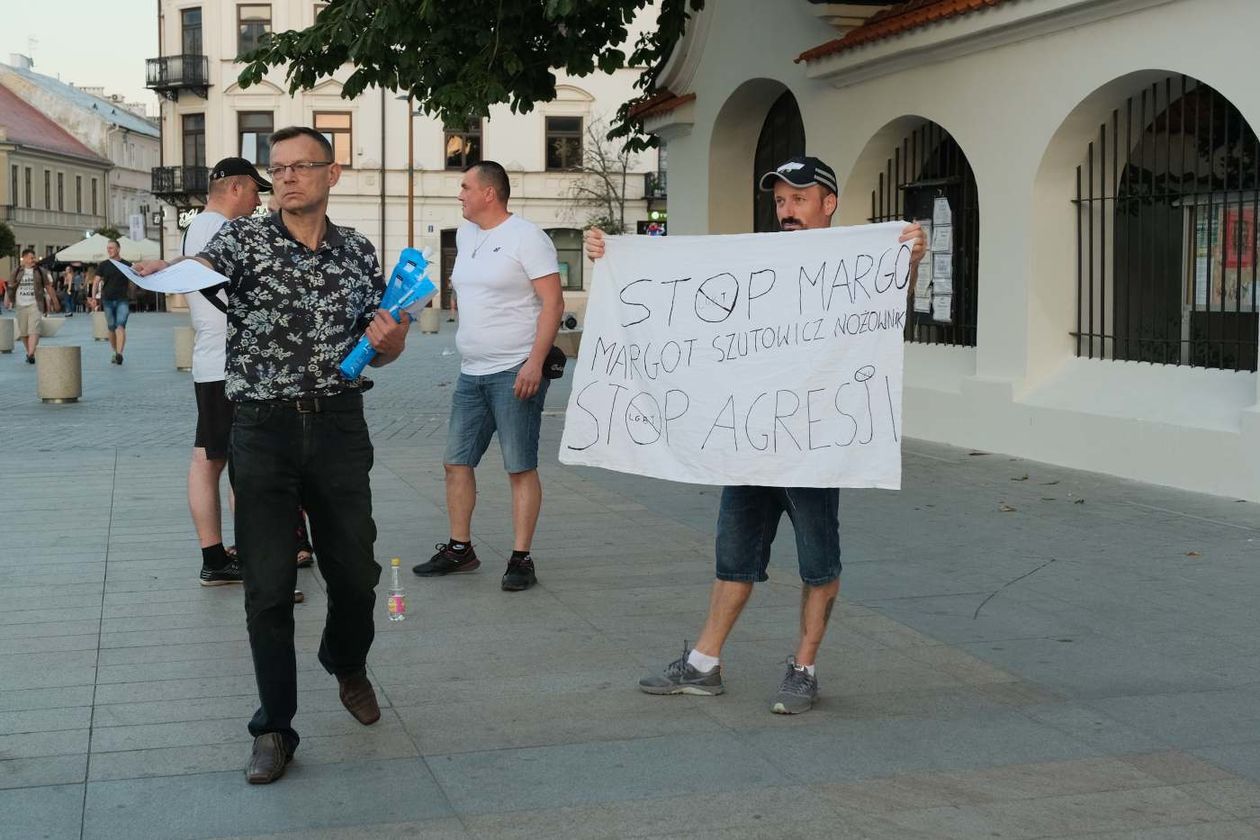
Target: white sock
809	669
702	662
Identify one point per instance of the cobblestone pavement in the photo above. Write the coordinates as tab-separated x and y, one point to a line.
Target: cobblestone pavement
1023	651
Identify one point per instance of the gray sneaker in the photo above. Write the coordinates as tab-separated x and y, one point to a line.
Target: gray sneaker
681	678
797	692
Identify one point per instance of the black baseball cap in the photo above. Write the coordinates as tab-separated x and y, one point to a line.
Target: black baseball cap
230	166
801	172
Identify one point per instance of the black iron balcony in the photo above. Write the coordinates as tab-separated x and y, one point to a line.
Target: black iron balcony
654	185
171	74
179	185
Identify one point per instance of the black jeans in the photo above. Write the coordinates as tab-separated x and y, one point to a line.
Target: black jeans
283	459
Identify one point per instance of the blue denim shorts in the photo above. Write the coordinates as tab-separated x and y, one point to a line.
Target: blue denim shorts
748	519
483	405
116	312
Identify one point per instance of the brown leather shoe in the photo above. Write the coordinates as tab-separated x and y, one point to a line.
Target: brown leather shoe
359	698
268	760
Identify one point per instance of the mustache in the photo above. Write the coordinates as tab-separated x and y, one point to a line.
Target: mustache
790	220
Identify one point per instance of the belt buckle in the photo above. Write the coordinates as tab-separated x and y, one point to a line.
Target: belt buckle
307	406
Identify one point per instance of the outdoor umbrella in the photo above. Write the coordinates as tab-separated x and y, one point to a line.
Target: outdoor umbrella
92	250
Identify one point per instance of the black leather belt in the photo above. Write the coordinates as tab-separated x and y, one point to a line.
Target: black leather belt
345	401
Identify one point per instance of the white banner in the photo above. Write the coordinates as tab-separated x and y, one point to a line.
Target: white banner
769	359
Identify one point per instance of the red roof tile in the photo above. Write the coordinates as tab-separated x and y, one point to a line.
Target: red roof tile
661	102
27	126
904	17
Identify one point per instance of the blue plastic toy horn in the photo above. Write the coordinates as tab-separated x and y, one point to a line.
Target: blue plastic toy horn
409	290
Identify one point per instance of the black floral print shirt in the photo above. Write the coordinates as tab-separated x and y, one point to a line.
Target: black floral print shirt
293	313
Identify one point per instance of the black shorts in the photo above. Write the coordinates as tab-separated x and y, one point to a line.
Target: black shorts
214	419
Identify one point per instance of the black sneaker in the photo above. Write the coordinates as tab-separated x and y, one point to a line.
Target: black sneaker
119	359
30	360
447	562
231	573
519	575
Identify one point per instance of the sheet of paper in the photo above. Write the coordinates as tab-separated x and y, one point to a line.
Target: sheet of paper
942	238
942	285
942	308
183	277
942	266
923	297
941	212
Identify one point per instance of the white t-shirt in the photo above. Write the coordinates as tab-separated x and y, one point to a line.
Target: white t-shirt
498	307
209	362
25	294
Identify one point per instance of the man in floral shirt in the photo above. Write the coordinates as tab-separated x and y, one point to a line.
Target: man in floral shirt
301	291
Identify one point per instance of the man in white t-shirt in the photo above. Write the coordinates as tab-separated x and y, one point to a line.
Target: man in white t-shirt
27	292
234	188
510	304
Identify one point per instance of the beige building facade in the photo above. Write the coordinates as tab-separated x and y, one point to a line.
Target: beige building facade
54	190
206	116
1096	306
109	127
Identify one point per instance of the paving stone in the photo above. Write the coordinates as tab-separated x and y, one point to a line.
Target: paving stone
52	812
960	697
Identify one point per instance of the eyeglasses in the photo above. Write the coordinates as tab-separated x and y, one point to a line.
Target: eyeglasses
302	167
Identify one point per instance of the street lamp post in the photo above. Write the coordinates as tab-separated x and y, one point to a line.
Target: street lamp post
411	177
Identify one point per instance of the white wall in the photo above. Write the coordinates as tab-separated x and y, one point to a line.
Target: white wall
1022	108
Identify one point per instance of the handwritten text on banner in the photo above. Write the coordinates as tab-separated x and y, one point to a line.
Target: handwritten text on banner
771	359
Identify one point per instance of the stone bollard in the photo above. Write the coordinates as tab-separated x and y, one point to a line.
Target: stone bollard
48	327
184	347
100	327
58	373
8	329
429	322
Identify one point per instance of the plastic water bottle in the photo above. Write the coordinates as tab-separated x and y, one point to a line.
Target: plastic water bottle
397	602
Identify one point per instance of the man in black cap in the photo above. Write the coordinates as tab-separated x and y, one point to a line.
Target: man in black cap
234	188
805	198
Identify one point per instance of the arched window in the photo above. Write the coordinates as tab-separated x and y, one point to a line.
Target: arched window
1167	203
782	137
928	179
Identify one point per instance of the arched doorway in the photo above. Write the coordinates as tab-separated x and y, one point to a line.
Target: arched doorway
1168	197
782	137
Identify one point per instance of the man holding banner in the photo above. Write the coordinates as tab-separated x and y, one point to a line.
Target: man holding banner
830	313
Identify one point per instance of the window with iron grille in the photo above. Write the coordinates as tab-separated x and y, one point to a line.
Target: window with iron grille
463	148
1167	201
928	178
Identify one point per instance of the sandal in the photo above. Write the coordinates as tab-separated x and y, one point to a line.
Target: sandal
305	557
